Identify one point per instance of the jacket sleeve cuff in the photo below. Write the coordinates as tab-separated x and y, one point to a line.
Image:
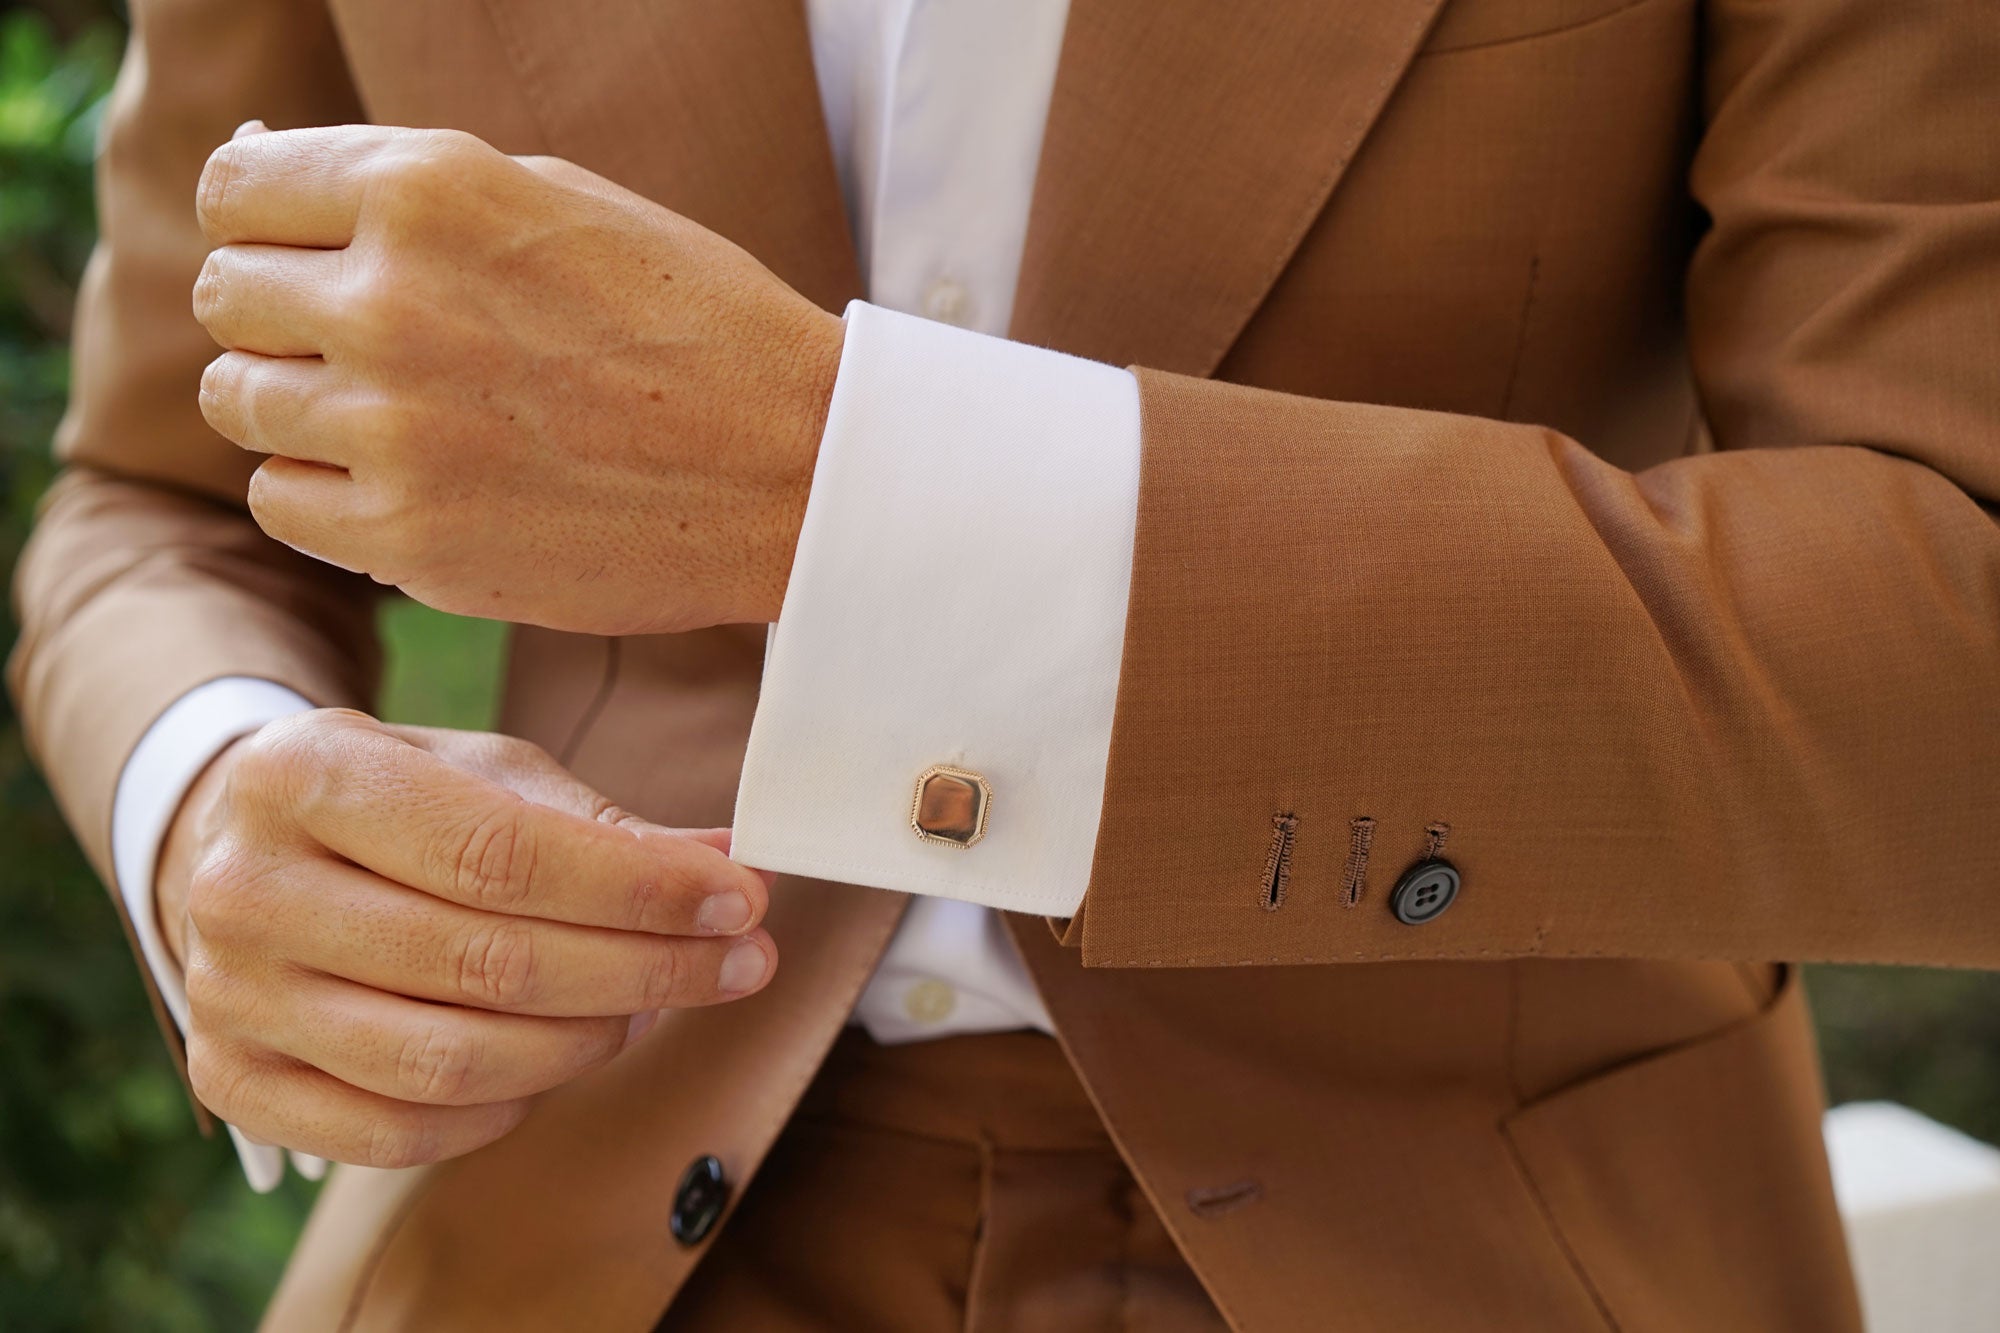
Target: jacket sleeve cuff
958	599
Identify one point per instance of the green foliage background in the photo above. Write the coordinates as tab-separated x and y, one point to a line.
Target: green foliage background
114	1215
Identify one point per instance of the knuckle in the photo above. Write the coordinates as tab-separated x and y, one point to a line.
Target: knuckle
607	811
435	1065
308	760
251	771
496	965
198	979
263	504
218	178
229	398
454	149
224	377
207	990
662	899
496	861
205	1073
278	749
322	723
665	978
379	316
219	1080
303	768
607	1043
209	286
402	530
396	1141
519	752
426	166
383	427
222	890
393	560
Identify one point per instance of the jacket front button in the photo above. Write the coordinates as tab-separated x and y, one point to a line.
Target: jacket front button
1424	891
699	1201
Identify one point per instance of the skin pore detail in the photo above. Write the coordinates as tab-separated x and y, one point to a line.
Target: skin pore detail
465	384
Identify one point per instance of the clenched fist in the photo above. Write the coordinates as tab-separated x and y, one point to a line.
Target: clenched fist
506	385
395	936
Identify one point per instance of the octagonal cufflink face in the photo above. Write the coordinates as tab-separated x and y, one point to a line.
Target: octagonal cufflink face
950	806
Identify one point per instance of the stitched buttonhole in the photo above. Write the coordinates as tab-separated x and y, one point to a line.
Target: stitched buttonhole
1434	836
1360	837
1278	861
1217	1200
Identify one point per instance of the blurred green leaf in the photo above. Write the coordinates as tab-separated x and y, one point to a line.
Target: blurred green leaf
114	1213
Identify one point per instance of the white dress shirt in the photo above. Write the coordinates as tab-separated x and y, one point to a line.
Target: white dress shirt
959	591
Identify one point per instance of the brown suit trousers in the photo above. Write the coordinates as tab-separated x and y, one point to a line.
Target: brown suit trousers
966	1184
1571	437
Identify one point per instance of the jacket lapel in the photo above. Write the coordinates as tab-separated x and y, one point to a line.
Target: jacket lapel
710	108
1185	157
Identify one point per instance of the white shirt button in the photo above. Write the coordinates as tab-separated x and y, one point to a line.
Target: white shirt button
929	1001
947	301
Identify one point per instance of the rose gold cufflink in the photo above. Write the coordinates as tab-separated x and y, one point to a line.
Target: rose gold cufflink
950	806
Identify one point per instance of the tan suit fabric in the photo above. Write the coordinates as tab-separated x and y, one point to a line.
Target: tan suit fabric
1570	435
964	1184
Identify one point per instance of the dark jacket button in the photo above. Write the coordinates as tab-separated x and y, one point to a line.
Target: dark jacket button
1424	891
702	1195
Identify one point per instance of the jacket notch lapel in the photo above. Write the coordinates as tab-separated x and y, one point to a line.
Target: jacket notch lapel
709	107
1188	150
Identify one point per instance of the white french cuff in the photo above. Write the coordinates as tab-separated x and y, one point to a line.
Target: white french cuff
164	764
957	600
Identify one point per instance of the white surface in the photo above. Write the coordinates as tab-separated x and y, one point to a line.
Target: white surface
950	969
935	109
959	598
1921	1205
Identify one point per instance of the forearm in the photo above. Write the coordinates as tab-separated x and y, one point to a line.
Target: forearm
1735	706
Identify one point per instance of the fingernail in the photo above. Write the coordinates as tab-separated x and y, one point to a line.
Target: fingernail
641	1021
723	913
249	127
742	969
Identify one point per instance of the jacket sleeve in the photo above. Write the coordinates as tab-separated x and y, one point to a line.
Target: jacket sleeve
1745	704
145	575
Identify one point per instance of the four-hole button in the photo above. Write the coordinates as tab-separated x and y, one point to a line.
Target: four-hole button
1424	891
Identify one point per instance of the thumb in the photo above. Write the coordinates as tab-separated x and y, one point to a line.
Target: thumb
722	840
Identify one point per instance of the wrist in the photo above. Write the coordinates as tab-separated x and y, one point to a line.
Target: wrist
812	370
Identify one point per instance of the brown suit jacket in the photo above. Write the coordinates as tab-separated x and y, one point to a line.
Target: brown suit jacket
1694	667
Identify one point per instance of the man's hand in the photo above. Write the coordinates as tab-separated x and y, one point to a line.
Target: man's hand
506	385
395	936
